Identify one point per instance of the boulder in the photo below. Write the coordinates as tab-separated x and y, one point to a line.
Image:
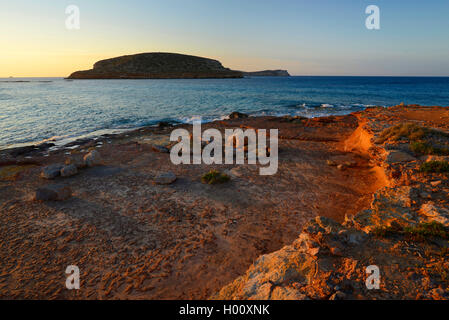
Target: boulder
165	124
69	170
77	160
395	156
161	149
237	115
165	178
92	159
51	171
56	192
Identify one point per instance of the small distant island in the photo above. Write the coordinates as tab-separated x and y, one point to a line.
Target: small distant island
160	65
267	73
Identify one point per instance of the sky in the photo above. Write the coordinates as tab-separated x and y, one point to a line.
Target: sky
320	37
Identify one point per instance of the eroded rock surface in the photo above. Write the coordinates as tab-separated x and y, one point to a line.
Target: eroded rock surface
402	233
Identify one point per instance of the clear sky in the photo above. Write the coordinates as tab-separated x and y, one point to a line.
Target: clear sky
319	37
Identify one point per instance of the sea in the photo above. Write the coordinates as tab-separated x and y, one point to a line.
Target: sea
35	110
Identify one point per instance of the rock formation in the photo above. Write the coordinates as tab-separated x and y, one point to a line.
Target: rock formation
267	73
404	233
157	65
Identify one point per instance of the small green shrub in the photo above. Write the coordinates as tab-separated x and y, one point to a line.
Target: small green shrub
441	151
384	232
427	230
405	130
419	147
420	232
411	131
214	177
422	148
434	167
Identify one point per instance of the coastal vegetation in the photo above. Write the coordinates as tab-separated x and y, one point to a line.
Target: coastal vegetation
420	232
408	130
423	141
434	166
214	177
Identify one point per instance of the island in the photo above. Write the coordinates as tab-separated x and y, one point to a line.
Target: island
157	65
267	73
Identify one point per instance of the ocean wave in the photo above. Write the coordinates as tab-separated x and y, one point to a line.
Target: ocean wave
37	110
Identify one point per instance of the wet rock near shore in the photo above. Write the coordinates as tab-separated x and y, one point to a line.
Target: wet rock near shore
29	150
69	170
51	171
92	159
161	149
77	160
238	115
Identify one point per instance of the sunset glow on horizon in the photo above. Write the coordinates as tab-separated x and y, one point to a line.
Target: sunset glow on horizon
325	38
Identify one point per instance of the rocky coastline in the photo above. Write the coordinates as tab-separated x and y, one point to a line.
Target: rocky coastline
369	188
404	232
161	65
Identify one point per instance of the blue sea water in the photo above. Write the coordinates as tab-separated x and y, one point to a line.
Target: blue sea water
36	109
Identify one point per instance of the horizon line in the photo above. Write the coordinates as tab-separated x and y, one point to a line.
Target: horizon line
295	75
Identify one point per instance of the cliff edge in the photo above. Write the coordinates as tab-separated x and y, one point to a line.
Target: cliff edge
404	233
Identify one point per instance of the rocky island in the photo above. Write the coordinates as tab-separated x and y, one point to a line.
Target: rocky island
267	73
157	65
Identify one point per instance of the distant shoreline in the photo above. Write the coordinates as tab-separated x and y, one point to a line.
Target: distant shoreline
292	76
